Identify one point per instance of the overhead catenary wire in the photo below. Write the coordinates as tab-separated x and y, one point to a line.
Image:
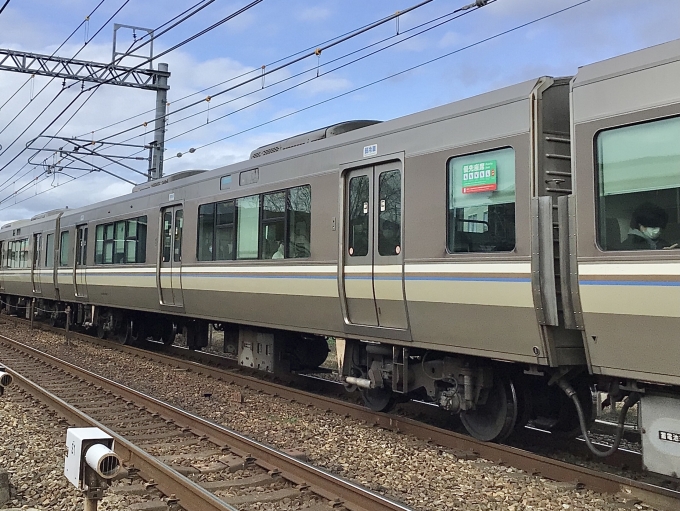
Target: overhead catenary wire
222	21
393	75
95	88
318	75
332	43
477	43
43	111
52	55
3	6
462	11
303	56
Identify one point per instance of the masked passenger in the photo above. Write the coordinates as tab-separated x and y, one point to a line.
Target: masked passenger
645	228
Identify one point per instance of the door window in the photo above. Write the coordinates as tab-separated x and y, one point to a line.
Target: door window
357	242
179	223
167	235
389	213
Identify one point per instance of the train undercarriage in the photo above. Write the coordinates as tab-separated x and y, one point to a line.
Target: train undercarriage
494	399
268	349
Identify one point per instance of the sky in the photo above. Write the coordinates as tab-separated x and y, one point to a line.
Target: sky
485	49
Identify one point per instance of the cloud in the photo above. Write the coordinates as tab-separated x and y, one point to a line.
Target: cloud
449	39
314	14
325	84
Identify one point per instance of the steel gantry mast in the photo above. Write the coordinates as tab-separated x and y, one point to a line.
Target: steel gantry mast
103	73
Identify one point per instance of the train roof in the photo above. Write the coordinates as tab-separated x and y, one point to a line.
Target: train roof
628	63
368	131
311	136
614	86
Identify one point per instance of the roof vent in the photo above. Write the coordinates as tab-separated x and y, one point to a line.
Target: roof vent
167	179
311	136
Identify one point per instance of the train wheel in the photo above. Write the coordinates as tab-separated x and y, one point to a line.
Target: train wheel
101	333
134	333
378	399
168	334
494	420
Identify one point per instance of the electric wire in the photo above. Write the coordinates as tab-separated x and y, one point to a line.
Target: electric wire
255	70
3	6
393	75
301	57
500	34
215	25
52	55
304	82
155	36
44	109
463	11
6	184
52	101
2	187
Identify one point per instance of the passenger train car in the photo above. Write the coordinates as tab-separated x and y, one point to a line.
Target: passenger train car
489	255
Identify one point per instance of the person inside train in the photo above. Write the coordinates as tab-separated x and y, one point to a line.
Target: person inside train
279	254
646	224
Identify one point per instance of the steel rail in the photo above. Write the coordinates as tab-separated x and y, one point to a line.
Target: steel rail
519	458
170	482
351	495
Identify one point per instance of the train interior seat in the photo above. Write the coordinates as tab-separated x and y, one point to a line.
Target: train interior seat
612	234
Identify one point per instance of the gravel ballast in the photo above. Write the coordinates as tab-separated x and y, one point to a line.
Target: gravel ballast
407	469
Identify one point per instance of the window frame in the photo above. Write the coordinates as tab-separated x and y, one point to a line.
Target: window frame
111	228
234	201
598	183
499	253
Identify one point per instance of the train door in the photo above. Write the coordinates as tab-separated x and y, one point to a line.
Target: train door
80	263
3	264
373	276
170	255
36	266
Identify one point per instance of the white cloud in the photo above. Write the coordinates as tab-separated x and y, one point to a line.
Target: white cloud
325	84
314	14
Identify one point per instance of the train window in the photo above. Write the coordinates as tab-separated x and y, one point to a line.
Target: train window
248	211
81	245
179	224
225	182
167	235
389	216
49	251
481	202
249	177
639	186
23	253
17	254
224	232
37	250
273	225
206	232
299	207
64	248
216	229
357	243
121	242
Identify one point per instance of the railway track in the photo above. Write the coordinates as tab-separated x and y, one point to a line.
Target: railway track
185	461
650	490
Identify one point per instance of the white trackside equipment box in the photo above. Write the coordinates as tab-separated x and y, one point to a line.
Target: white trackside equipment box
78	441
660	427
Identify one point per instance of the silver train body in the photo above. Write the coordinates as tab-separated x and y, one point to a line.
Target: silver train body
472	254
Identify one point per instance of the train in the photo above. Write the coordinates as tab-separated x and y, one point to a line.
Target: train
501	256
